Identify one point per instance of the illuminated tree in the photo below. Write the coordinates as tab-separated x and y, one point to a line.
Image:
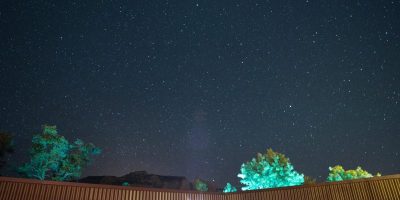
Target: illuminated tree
125	184
200	185
229	188
337	173
54	158
269	170
6	146
78	157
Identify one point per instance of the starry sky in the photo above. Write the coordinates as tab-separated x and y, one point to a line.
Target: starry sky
195	88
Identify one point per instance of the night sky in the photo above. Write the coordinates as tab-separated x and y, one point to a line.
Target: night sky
195	88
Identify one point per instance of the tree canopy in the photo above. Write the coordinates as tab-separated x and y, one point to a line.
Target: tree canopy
54	158
6	146
337	173
269	170
229	188
200	185
308	180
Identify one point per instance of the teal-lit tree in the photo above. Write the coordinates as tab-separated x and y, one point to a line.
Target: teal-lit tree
54	158
229	188
337	173
269	170
6	147
200	185
125	184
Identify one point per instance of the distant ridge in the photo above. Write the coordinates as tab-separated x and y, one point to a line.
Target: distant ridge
142	179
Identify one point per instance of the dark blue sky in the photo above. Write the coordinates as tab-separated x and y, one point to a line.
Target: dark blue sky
195	88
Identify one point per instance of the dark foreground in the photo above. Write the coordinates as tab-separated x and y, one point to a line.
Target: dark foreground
385	187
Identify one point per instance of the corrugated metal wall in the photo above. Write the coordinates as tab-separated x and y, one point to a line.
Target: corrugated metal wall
376	188
24	189
379	188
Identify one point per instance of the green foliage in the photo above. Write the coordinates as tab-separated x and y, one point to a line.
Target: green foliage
229	188
125	184
309	180
6	146
54	158
200	185
269	170
337	173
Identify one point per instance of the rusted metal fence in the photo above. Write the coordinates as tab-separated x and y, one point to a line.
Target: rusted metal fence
387	187
379	188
